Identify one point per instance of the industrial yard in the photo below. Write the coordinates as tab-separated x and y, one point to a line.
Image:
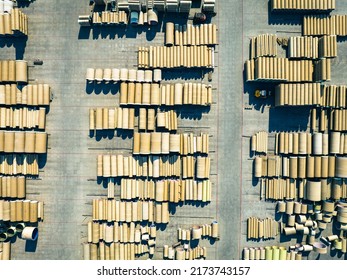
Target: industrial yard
148	142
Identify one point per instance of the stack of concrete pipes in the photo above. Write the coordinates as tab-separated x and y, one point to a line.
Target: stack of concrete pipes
280	69
285	188
322	70
198	232
130	211
19	164
312	47
259	142
329	119
123	75
114	251
14	23
262	228
169	94
306	5
27	211
111	118
13	71
23	118
165	120
299	219
138	166
12	187
176	57
303	47
279	189
313	190
115	240
166	190
315	144
110	18
166	143
190	35
263	45
270	253
181	254
325	25
327	46
298	94
300	167
31	95
331	96
149	120
23	142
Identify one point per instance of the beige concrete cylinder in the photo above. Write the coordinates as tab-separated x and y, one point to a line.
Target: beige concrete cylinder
9	141
33	211
30	233
90	75
169	34
314	190
341	167
30	142
145	143
40	142
21	71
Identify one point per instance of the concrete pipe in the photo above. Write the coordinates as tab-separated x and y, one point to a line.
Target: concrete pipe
341	167
90	75
157	75
123	75
169	34
115	75
132	75
30	142
140	76
152	17
328	206
258	163
314	191
289	207
215	229
20	227
9	141
317	143
175	143
281	206
145	143
289	231
33	218
6	251
165	143
335	142
146	94
3	236
40	142
148	76
320	248
30	233
196	232
21	71
155	94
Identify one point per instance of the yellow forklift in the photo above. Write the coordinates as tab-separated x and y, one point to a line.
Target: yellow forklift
262	93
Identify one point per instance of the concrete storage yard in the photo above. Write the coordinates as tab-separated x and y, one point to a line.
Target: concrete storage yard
67	184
